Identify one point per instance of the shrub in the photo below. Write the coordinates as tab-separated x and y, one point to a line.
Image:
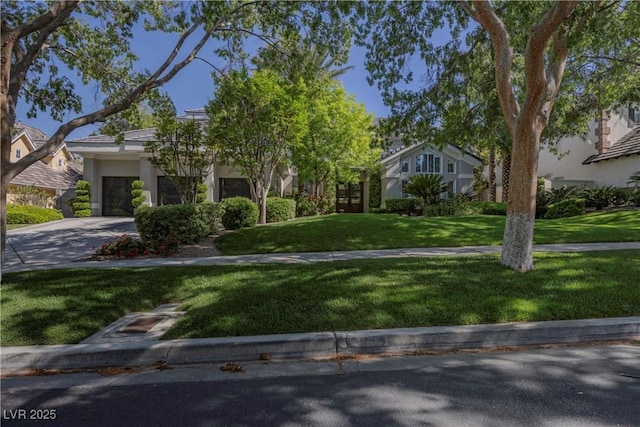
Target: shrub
201	194
634	196
138	197
239	212
19	214
599	198
306	205
456	205
489	208
402	206
279	209
81	205
126	246
184	223
428	188
212	215
565	208
621	197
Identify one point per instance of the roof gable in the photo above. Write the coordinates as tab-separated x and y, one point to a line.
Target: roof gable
627	145
449	149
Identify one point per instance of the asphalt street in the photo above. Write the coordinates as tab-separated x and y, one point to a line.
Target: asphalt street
582	386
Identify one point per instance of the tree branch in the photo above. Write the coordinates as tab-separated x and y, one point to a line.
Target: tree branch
503	59
536	78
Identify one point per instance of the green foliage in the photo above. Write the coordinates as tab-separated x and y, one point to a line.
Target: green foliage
428	188
20	214
184	223
201	195
29	196
255	121
212	214
490	208
375	190
138	197
239	212
81	205
181	152
455	205
280	209
544	198
565	208
599	198
402	206
306	204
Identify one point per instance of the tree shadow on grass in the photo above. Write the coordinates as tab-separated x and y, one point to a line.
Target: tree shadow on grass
66	306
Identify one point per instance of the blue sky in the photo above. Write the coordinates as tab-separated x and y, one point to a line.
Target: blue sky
193	87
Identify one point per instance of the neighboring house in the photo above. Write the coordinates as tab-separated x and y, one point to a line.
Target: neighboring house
608	155
400	163
54	175
110	168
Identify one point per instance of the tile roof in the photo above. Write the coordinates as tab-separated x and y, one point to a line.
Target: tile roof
627	145
131	136
37	136
40	175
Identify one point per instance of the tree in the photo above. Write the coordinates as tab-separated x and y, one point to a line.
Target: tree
50	48
255	120
553	64
181	153
339	139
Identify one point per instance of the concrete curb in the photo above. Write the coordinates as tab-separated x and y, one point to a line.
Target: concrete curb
321	345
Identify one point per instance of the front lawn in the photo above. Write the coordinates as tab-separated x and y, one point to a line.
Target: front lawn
66	306
373	231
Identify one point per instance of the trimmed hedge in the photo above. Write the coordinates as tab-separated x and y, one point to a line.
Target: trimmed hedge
279	209
565	208
138	198
489	208
20	214
81	205
185	223
212	215
402	206
239	212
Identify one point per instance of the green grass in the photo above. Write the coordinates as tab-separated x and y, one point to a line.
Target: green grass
65	306
14	226
372	231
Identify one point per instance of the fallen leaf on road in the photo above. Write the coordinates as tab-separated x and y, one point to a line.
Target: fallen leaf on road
231	367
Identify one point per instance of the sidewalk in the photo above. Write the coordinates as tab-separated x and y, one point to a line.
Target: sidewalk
43	262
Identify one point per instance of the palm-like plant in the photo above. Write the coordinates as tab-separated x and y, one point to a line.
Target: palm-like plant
428	188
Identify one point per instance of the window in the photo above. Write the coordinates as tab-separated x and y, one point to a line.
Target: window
451	187
59	163
404	184
451	167
428	163
634	116
18	153
405	165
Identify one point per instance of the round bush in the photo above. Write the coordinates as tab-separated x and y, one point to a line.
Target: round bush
239	212
184	223
279	209
565	208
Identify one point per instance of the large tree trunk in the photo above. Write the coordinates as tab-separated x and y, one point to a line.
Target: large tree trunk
3	215
517	248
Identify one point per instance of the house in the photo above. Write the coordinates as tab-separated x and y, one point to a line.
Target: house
609	154
400	163
55	175
111	167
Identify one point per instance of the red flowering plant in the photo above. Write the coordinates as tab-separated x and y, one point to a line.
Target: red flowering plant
126	246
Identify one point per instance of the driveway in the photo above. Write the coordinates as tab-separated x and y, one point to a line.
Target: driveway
71	239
